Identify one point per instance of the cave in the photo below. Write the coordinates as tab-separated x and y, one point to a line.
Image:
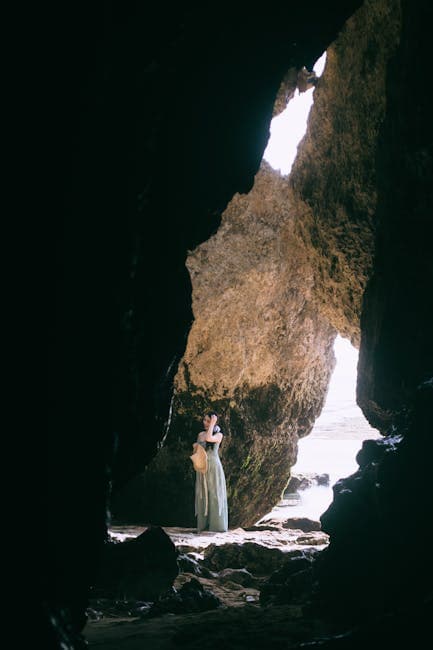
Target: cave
168	208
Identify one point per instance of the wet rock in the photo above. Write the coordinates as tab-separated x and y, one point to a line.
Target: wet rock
374	451
273	524
111	608
302	523
192	597
292	523
138	569
238	576
313	539
188	564
187	549
366	508
305	481
268	524
255	558
292	583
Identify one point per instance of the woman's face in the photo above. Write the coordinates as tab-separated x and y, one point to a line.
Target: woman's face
206	421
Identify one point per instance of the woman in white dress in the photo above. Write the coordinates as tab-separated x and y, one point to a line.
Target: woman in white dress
210	488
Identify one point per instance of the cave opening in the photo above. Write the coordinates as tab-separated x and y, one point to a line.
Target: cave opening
329	452
288	128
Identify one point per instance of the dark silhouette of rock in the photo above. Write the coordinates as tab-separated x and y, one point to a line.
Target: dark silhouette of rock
142	569
238	576
292	584
367	506
192	597
305	481
189	564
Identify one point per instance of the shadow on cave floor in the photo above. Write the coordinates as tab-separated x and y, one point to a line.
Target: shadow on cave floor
233	567
249	627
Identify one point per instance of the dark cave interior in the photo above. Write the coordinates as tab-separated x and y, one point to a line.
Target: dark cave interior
165	118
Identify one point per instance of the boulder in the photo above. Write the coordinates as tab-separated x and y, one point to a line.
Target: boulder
305	481
291	584
238	576
141	569
256	558
192	597
302	523
188	564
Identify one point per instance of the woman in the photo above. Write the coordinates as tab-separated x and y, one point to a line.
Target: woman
210	488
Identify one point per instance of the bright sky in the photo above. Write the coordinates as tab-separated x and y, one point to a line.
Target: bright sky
342	387
289	127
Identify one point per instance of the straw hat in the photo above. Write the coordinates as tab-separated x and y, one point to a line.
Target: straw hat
199	458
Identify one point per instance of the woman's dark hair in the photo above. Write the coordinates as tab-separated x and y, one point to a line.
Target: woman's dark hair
209	414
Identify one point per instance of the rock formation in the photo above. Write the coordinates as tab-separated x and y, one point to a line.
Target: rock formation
285	271
163	120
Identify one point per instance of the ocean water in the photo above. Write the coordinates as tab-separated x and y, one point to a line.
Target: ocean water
333	443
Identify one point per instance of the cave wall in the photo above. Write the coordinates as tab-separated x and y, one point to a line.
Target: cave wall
335	171
286	270
396	352
369	554
154	119
137	83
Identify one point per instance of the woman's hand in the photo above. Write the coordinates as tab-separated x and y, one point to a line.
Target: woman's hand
210	434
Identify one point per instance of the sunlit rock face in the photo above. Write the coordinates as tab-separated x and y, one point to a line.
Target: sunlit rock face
335	172
286	269
258	351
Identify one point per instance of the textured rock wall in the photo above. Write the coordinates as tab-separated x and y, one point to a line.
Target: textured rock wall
369	553
286	269
335	172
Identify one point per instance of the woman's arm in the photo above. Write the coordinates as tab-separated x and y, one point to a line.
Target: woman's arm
210	435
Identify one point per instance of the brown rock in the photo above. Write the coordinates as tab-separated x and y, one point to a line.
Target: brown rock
255	558
239	576
302	523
